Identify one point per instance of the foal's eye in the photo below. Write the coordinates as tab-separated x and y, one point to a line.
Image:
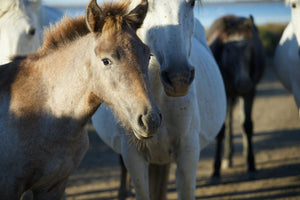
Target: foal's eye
106	61
294	5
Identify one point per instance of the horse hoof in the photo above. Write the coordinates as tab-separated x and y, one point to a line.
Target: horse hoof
252	175
28	195
226	164
215	180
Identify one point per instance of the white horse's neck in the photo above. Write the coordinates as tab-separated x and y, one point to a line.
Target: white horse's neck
7	6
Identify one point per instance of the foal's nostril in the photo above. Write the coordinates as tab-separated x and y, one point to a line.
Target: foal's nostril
140	122
150	122
31	31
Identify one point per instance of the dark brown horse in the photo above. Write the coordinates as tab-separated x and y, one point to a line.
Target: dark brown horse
240	55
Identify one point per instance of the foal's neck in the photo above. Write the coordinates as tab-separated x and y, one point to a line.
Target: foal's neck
59	84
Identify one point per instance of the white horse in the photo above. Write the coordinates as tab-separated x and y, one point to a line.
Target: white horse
19	32
193	111
287	55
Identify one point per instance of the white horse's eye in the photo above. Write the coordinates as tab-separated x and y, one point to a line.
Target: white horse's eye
294	5
106	61
150	56
191	2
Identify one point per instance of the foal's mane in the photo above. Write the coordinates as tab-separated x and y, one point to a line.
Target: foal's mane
70	29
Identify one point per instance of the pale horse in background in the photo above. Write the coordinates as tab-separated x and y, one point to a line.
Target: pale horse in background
22	23
187	87
19	28
287	54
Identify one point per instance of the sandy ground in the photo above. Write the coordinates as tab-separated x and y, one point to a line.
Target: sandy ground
276	145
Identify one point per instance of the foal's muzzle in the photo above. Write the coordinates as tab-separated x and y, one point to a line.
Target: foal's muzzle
148	124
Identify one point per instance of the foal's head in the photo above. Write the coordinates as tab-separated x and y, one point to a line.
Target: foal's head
120	61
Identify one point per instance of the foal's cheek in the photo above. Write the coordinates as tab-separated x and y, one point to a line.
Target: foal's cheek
113	85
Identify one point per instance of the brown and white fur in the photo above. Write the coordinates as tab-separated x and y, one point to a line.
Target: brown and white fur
47	98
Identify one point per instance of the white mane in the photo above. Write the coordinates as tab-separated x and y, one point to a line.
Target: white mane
8	5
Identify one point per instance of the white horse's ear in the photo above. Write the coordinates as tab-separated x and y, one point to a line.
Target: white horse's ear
192	2
136	17
93	17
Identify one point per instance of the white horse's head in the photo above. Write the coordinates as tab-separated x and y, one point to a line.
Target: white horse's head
19	28
295	17
168	30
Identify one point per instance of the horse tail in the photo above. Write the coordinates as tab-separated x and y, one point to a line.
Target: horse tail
158	181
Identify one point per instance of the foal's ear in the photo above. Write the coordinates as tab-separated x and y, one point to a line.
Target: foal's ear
136	17
94	17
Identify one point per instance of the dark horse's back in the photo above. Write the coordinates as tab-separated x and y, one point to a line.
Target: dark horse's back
239	52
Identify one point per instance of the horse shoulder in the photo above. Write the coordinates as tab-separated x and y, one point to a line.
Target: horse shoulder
283	57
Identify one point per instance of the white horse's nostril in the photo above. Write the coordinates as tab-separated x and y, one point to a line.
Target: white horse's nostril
192	75
165	77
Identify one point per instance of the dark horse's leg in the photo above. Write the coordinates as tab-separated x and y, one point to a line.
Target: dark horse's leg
228	146
246	119
124	190
227	131
218	155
